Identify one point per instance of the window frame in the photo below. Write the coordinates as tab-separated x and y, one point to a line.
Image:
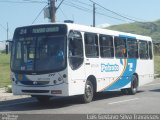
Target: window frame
86	34
111	47
135	50
123	50
150	50
146	49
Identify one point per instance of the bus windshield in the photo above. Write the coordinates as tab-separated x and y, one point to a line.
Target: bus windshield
39	53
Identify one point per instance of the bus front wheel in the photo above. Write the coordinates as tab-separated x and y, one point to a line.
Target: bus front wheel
89	91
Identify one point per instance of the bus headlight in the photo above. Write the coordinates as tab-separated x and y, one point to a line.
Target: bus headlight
55	81
59	79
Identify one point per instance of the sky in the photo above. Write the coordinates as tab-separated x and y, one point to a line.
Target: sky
17	13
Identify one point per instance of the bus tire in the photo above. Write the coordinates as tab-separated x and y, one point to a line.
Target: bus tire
88	93
134	86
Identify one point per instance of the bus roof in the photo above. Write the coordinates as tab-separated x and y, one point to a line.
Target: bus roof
84	28
106	31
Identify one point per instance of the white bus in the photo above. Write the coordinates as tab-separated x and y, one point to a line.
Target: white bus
69	59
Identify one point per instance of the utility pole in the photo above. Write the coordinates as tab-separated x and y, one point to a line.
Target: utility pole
52	10
7	30
94	15
7	44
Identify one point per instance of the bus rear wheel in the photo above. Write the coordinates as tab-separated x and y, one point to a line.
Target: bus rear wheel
134	87
89	92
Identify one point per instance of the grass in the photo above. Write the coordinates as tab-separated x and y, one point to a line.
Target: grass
4	70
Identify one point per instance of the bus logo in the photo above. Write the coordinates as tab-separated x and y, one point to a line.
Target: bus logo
109	67
34	83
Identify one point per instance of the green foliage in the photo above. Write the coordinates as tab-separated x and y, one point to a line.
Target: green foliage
151	29
8	89
4	70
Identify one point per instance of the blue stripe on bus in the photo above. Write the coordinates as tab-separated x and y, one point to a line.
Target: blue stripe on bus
126	77
25	81
126	36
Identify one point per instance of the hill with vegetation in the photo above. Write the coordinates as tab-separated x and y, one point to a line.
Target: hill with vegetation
151	29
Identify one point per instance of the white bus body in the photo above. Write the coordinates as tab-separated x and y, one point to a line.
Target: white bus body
105	72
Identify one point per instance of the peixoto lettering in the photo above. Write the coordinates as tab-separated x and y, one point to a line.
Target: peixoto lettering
109	67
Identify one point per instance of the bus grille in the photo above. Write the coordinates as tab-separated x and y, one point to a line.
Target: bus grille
35	91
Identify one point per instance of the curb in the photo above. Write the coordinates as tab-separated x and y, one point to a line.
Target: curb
9	96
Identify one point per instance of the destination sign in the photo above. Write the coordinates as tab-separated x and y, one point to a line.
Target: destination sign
41	29
45	30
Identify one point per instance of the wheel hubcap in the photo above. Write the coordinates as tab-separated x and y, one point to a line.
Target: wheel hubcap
135	84
88	91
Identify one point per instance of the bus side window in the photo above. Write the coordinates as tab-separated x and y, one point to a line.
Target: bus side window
91	45
120	47
150	50
143	49
106	46
75	49
132	48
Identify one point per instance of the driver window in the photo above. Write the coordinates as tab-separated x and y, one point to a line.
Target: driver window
75	49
